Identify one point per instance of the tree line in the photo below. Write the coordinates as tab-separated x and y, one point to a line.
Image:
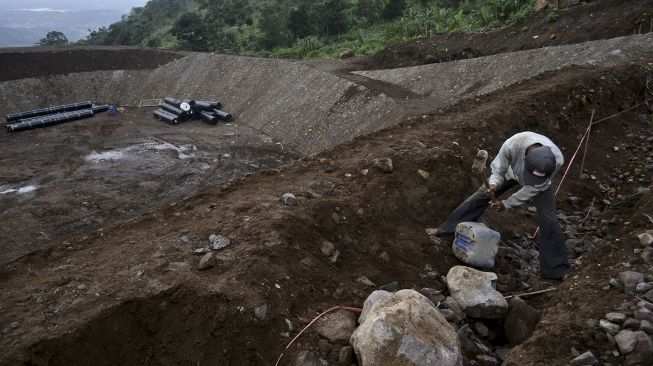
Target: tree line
300	28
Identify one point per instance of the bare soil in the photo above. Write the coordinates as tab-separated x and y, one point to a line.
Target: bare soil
92	173
132	294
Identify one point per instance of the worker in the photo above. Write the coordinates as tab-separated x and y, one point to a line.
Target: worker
530	160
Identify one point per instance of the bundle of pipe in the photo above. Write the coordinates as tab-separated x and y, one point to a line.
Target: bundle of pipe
49	110
176	110
28	120
46	121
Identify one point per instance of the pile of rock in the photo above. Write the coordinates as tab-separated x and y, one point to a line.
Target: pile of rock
425	327
629	329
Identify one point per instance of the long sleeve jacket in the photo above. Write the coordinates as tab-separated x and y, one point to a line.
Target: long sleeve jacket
509	164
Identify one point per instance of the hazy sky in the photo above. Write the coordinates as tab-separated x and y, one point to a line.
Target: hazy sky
71	4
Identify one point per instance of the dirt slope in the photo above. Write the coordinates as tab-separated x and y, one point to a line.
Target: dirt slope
593	21
131	294
19	63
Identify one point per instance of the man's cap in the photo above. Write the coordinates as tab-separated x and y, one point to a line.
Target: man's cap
539	165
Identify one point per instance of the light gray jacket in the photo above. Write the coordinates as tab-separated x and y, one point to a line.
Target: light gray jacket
509	164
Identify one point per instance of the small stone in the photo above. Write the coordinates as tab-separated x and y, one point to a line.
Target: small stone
201	251
336	218
288	199
586	359
645	239
365	281
218	242
475	294
608	327
384	164
632	324
261	312
617	318
481	329
646	326
346	356
423	173
503	353
207	261
643	287
615	283
521	321
630	279
644	314
626	340
327	249
648	296
485	360
390	287
642	354
324	346
307	261
14	325
306	358
337	326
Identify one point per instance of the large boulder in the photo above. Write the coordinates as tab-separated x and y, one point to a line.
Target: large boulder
405	329
475	293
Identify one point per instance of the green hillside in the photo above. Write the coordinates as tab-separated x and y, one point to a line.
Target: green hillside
301	28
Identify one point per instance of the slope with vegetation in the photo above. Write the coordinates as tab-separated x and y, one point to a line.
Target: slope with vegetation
301	28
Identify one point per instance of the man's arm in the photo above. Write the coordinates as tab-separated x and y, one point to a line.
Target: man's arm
500	166
524	194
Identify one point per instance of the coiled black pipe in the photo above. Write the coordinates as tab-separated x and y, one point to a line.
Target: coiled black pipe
181	115
209	118
49	110
207	106
223	115
100	108
166	116
49	120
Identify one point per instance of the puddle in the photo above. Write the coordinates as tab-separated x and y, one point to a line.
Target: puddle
183	151
25	189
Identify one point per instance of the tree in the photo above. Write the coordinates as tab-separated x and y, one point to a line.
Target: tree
53	38
189	28
393	9
371	10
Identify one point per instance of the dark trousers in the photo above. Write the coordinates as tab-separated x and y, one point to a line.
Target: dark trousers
553	253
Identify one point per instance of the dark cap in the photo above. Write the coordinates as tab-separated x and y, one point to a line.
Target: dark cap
539	165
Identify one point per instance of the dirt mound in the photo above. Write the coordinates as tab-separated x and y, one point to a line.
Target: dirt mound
593	21
123	279
33	62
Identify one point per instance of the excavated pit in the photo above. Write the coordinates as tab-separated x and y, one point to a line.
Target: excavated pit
155	307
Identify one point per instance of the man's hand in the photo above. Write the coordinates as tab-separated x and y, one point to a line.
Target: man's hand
498	206
487	190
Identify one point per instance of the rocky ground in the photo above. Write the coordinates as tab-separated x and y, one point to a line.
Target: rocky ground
231	274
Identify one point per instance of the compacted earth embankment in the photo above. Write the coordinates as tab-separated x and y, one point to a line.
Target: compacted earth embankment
135	293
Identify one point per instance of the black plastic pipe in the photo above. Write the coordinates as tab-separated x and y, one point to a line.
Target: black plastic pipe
181	115
100	108
209	118
207	106
166	116
49	110
223	115
49	120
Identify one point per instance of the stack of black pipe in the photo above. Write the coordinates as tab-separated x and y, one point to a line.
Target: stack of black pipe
174	111
50	116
